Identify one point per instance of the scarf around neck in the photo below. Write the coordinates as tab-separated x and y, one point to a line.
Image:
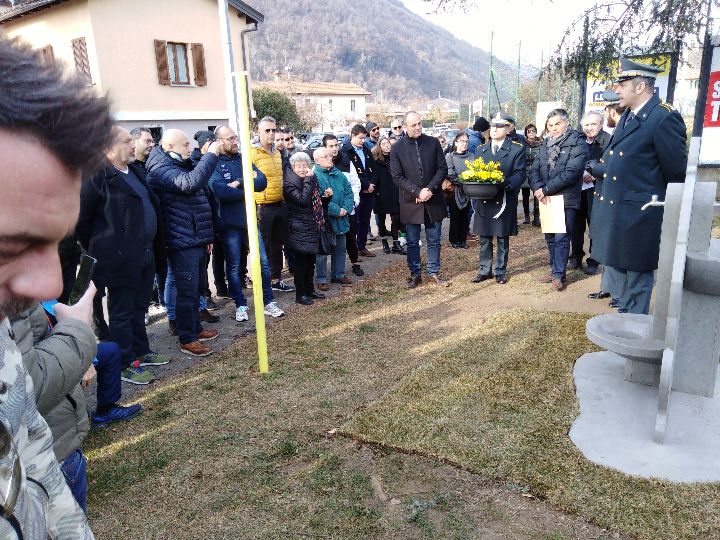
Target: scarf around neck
554	148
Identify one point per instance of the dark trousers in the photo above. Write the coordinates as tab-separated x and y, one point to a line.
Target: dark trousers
272	221
526	204
158	292
459	222
108	369
363	211
304	272
101	327
126	309
204	282
559	246
501	255
218	266
186	265
395	225
350	242
582	221
69	261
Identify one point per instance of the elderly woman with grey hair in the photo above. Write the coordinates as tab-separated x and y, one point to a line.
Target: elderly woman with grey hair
305	220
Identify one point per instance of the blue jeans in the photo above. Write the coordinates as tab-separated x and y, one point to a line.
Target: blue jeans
108	373
234	242
433	231
170	295
186	265
74	469
559	246
126	309
337	262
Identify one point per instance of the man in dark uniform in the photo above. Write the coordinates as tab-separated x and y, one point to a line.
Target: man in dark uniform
647	151
498	217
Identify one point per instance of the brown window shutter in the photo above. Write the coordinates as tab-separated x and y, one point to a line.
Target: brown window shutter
47	54
82	63
198	55
162	62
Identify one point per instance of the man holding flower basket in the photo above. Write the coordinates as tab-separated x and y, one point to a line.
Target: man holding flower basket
494	179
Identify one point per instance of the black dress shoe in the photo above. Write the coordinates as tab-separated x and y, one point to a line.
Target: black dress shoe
480	278
621	310
600	295
614	303
206	316
590	270
502	280
572	264
304	300
317	295
357	270
413	282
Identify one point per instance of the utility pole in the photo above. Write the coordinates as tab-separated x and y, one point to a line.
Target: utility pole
490	75
517	91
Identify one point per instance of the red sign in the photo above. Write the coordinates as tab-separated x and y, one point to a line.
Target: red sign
712	107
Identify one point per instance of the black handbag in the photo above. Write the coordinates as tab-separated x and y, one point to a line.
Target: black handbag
328	240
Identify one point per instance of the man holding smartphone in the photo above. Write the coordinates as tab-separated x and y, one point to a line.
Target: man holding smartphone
118	225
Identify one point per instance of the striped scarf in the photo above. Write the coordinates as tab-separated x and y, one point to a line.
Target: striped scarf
317	208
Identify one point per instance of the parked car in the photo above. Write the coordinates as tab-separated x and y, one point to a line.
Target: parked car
450	135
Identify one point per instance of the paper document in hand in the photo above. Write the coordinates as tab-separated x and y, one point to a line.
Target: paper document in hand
552	214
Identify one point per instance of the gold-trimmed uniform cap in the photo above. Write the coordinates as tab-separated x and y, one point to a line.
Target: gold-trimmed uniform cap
630	69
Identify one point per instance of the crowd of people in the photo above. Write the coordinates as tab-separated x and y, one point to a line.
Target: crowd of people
154	216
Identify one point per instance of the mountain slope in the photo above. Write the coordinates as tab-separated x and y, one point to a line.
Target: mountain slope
378	44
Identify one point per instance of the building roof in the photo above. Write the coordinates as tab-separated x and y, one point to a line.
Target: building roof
301	88
30	6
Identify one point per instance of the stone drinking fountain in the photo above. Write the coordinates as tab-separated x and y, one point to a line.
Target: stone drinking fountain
627	420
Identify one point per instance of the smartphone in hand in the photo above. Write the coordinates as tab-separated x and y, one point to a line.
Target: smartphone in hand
82	281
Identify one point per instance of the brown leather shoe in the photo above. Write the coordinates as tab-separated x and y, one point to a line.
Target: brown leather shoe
195	348
365	253
206	316
342	281
558	284
413	281
323	287
439	281
207	335
547	278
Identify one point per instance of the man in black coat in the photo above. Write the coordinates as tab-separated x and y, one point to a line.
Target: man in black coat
120	225
357	153
596	140
418	167
498	216
646	152
558	170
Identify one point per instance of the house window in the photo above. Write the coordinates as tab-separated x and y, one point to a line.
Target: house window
330	104
80	55
47	55
174	63
352	105
178	63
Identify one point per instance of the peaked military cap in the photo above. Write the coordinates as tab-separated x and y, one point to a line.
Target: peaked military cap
610	96
630	69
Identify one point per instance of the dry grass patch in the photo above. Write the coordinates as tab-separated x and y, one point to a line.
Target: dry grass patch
500	402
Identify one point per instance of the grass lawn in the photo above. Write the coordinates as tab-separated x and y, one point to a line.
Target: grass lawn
223	452
499	405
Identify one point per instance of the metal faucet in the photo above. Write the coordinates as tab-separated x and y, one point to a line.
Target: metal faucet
653	202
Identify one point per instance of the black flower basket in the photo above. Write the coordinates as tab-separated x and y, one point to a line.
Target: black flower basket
480	190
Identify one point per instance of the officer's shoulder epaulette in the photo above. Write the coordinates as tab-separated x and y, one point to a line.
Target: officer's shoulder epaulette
667	106
519	144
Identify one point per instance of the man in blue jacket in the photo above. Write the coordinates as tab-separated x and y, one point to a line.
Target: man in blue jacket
226	184
188	228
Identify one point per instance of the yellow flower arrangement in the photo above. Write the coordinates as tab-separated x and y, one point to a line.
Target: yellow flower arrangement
482	172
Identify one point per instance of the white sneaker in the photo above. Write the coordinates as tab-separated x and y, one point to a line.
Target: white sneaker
274	310
147	319
241	314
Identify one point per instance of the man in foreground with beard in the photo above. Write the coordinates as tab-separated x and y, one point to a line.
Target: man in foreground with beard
52	133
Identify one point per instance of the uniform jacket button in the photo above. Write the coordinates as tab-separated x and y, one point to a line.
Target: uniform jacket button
621	153
605	175
611	202
611	152
614	177
602	198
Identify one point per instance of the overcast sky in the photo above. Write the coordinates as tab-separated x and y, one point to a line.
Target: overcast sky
538	23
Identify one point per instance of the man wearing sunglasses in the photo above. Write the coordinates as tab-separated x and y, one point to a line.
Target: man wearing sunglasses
396	129
271	211
373	135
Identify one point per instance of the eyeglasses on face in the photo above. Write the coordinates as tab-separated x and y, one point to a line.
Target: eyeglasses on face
270	130
375	129
397	127
499	125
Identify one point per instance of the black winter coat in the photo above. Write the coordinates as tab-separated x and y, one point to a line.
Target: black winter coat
387	193
511	156
639	162
303	234
182	192
567	176
111	214
367	173
408	178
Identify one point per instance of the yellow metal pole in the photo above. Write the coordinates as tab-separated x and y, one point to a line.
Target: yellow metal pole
249	186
